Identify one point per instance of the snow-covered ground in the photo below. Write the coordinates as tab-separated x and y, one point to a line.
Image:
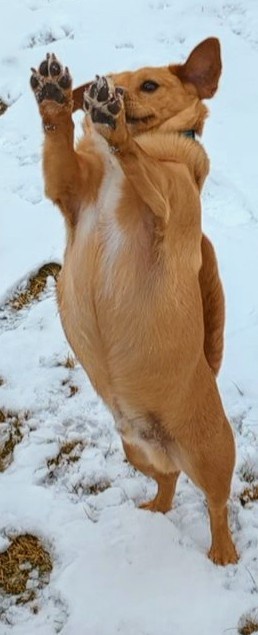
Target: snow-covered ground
118	569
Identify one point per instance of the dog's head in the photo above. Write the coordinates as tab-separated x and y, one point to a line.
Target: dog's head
154	95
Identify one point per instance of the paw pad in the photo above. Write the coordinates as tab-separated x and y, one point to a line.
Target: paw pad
51	80
103	102
55	68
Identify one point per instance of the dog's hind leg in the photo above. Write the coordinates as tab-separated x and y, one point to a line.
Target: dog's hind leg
166	481
213	306
207	452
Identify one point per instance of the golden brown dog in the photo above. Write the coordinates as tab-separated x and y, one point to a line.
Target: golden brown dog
167	111
129	291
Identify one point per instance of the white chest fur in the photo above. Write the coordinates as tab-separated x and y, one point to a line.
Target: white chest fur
101	216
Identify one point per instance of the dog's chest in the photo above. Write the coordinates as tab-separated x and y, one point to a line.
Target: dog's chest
100	217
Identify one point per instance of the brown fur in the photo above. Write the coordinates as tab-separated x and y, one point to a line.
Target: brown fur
129	291
173	111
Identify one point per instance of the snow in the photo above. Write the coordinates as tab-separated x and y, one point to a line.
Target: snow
118	569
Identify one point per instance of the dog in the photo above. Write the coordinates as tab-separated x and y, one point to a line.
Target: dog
169	117
129	290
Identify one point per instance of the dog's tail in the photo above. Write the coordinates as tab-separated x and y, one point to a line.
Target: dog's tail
213	306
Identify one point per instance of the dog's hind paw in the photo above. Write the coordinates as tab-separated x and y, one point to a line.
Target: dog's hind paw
51	82
103	101
224	553
157	505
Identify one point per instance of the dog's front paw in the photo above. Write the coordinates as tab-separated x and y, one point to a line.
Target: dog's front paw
51	82
103	101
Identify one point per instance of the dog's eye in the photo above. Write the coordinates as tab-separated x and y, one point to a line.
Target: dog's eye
149	86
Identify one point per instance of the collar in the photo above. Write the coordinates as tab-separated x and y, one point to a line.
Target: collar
189	133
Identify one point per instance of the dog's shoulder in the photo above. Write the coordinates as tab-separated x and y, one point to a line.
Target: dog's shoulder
174	148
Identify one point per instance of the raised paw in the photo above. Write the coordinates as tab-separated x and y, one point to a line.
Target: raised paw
51	81
103	101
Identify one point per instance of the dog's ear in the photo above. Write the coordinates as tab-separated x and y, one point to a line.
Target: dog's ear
78	97
202	68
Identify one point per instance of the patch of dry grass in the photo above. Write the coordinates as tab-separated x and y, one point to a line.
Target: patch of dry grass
11	433
72	389
97	488
24	556
69	362
248	628
247	473
249	495
3	107
35	286
68	455
81	489
69	452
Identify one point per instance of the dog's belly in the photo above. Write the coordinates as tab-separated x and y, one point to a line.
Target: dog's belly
123	318
87	273
129	344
